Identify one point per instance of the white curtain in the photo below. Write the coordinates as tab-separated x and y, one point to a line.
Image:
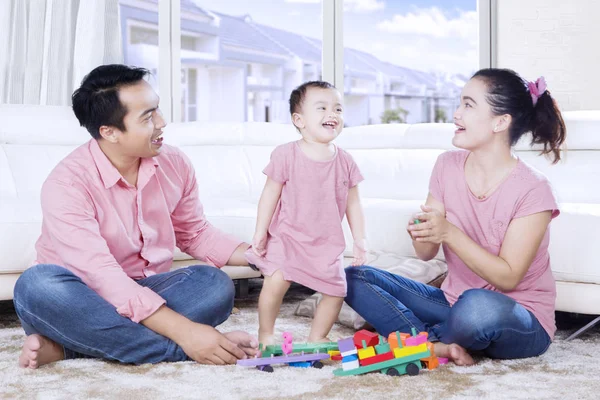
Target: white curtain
48	46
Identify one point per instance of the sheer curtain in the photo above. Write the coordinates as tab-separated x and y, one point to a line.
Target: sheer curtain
47	47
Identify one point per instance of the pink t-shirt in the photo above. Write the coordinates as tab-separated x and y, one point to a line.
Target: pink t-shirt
526	191
305	238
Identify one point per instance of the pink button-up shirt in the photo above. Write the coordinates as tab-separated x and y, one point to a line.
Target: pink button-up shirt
110	233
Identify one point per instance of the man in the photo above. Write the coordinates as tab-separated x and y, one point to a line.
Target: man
113	211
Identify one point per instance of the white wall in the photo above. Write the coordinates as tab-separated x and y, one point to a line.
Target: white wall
557	39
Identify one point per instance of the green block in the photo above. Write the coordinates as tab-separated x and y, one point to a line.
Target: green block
301	347
383	348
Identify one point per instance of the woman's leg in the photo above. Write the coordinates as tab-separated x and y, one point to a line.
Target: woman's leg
495	324
393	303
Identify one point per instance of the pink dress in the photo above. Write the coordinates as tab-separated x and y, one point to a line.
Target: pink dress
305	239
525	192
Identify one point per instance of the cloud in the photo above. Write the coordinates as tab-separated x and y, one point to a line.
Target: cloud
363	6
433	22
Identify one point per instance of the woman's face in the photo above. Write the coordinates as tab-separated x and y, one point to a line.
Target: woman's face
474	120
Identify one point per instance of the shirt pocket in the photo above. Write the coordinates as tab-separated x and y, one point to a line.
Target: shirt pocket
497	230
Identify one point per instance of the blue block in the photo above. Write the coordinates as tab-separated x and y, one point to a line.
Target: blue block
300	364
351	358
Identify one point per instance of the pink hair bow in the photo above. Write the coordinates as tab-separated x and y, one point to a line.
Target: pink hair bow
537	89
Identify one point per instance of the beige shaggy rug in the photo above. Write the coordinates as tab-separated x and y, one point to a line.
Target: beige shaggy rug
567	371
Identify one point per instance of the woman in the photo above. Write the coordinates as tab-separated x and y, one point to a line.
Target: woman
491	212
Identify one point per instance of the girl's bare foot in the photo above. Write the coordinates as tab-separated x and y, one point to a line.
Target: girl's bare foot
318	340
265	339
39	350
454	353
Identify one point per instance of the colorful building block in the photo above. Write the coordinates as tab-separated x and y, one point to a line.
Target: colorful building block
350	365
410	350
371	338
334	353
366	353
376	359
393	339
349	353
415	340
350	358
346	345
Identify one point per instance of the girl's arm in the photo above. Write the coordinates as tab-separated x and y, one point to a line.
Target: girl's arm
356	220
266	207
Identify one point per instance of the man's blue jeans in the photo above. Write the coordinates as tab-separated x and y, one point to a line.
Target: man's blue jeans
480	320
53	302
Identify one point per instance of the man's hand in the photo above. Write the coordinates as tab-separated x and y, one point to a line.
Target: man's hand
245	341
205	345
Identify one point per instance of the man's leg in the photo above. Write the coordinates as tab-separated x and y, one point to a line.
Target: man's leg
392	303
53	302
494	323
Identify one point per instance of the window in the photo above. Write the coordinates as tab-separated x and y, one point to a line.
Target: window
406	61
247	57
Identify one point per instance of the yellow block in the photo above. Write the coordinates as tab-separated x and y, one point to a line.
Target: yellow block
333	353
366	353
410	350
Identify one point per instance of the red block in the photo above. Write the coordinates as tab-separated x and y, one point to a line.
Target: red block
377	359
371	338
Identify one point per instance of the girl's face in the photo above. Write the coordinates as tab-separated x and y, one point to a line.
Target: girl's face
476	125
321	117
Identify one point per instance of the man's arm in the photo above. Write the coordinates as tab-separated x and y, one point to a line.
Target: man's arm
194	234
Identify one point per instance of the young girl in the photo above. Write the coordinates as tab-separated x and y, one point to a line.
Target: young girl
491	213
311	184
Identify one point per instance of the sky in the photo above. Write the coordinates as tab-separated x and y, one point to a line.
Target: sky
428	35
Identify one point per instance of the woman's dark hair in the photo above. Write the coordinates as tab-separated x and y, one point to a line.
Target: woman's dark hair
508	93
298	94
96	102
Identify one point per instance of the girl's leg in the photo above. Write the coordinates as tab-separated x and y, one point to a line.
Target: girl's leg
269	303
326	314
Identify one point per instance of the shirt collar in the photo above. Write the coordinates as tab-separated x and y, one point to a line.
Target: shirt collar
108	173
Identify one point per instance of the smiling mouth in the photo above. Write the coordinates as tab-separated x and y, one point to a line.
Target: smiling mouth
460	128
158	139
330	124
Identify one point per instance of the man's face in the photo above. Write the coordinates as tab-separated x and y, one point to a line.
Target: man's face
143	122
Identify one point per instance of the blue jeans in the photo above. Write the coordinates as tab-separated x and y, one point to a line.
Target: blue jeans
480	320
53	302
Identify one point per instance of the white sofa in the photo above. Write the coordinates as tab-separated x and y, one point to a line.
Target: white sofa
396	161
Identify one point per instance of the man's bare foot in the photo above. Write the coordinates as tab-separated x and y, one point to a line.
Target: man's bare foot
453	352
39	350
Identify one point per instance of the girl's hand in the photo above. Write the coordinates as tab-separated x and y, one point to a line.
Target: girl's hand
432	226
359	252
259	244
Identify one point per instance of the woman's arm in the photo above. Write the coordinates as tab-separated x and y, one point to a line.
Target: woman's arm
426	250
505	271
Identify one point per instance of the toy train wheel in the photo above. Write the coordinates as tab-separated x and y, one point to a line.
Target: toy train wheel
265	368
392	372
317	364
412	370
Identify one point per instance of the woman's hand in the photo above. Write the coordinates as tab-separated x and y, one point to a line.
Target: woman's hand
429	226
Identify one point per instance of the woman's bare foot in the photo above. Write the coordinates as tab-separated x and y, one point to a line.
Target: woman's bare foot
453	352
39	350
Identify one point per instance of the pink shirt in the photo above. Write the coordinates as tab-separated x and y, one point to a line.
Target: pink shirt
526	191
110	233
306	240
